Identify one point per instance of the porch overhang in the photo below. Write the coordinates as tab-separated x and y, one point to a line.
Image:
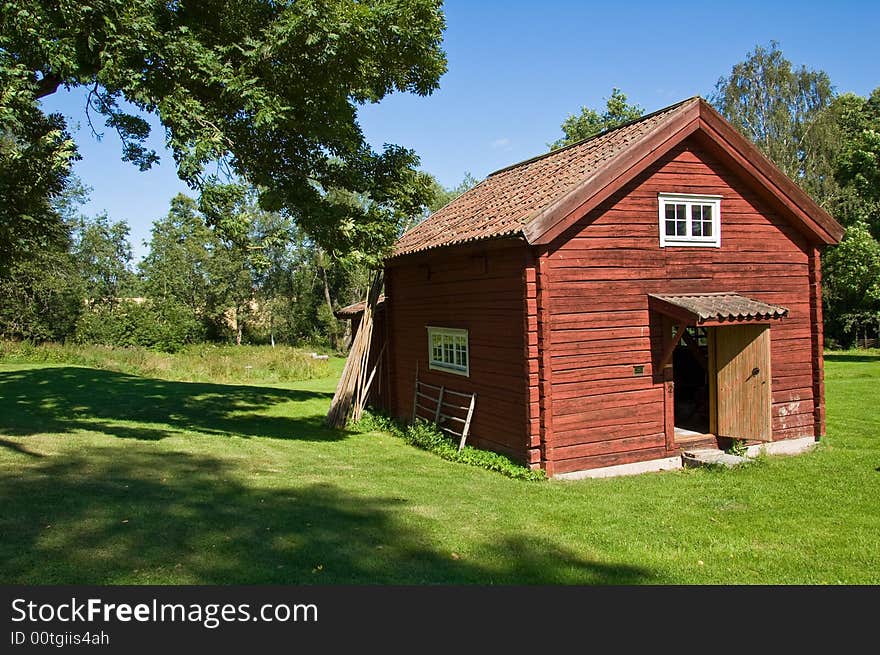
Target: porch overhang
714	309
356	309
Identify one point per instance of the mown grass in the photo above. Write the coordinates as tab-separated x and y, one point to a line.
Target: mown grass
197	363
107	477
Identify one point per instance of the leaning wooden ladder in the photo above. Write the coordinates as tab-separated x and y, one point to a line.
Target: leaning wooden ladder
440	410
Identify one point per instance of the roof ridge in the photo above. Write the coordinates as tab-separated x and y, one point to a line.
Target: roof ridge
591	138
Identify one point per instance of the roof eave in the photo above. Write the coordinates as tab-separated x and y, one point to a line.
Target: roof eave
513	235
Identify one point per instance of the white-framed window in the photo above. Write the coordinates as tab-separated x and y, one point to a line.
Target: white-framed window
689	220
448	350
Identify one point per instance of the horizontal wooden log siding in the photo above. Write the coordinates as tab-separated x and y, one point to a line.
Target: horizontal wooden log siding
487	291
599	274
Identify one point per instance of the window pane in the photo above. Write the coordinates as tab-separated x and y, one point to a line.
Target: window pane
448	350
689	219
707	220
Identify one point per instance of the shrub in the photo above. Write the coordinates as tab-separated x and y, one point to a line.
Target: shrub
168	326
428	436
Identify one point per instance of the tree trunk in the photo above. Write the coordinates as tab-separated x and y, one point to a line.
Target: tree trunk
334	341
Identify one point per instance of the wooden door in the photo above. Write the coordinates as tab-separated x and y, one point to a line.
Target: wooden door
742	390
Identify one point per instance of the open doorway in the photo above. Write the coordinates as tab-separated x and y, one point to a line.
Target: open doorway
690	367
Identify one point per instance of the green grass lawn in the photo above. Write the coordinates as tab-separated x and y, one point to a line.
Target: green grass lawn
110	478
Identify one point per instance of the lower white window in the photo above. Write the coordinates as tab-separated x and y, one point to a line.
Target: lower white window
690	220
448	350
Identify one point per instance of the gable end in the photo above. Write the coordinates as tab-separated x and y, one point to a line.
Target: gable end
701	120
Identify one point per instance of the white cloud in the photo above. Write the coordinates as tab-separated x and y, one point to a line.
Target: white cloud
501	144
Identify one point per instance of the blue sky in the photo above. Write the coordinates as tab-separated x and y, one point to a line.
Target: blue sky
517	69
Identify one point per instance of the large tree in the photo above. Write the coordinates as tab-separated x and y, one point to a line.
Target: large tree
782	110
176	268
858	162
40	285
851	287
102	253
260	91
35	157
590	122
852	269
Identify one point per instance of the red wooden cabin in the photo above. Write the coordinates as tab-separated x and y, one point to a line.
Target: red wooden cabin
615	301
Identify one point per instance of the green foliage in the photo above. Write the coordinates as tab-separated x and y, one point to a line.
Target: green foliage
168	326
428	436
36	153
781	109
858	163
329	326
42	291
851	288
42	298
176	267
195	363
738	447
103	257
261	92
590	122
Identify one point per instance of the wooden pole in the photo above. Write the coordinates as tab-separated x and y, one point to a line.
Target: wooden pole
348	400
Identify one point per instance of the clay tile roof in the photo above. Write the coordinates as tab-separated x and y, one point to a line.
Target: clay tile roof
358	308
722	307
509	198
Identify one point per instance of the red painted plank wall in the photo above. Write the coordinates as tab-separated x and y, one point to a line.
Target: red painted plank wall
599	274
482	289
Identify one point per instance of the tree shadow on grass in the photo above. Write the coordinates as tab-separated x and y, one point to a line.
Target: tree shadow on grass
132	515
18	447
66	399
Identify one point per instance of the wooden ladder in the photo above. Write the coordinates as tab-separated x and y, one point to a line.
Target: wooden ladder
442	411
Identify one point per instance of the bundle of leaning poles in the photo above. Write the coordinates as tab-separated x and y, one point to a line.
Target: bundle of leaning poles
353	388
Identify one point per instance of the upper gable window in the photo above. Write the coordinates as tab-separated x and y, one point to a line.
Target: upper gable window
687	220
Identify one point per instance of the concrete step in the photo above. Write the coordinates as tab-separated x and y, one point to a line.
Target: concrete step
711	457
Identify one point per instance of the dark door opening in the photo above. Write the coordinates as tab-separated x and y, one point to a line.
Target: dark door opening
690	369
